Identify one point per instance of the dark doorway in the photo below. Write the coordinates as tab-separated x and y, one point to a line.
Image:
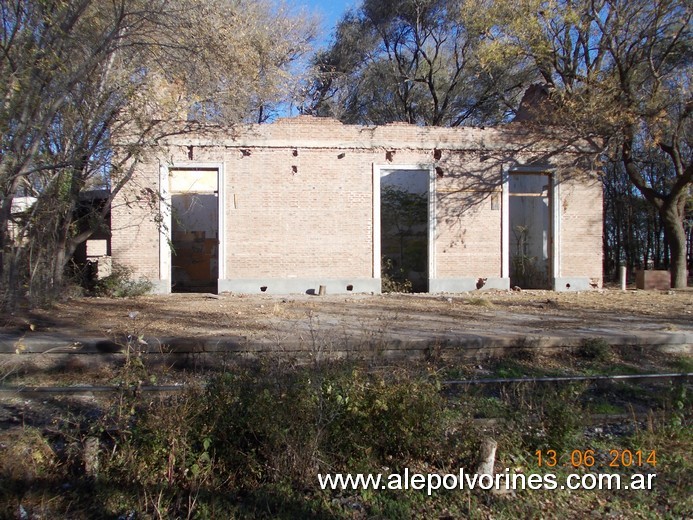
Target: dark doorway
404	230
530	230
195	230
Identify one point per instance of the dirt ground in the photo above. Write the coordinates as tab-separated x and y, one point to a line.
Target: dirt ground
277	321
38	421
186	315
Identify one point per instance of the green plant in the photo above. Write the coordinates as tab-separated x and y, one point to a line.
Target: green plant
562	420
595	349
547	417
390	420
680	402
250	445
683	364
120	284
605	408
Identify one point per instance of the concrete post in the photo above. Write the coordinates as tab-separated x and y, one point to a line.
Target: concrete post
623	277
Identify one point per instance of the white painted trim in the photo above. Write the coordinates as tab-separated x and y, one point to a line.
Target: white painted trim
555	212
378	170
432	201
164	229
221	223
556	236
165	233
376	222
505	223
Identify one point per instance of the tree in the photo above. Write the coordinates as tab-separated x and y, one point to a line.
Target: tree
78	75
634	233
416	61
620	69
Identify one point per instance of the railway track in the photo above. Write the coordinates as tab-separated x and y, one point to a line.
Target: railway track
94	390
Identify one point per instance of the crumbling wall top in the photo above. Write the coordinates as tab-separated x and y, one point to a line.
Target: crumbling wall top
316	132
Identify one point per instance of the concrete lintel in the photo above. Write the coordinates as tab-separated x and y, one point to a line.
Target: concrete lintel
300	285
453	285
574	283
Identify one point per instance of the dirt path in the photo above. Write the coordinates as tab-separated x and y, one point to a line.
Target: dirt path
186	315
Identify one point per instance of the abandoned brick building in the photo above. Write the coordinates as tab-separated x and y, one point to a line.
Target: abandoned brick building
297	204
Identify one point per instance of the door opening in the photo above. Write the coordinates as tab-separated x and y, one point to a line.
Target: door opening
404	230
194	230
531	234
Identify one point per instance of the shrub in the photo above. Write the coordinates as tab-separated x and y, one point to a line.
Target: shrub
120	284
595	349
383	420
550	417
249	430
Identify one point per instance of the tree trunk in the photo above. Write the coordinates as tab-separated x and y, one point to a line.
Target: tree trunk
658	241
676	237
65	249
59	262
10	278
671	206
5	219
690	248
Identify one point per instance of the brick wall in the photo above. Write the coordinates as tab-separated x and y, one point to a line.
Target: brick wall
582	227
314	221
468	237
134	232
299	198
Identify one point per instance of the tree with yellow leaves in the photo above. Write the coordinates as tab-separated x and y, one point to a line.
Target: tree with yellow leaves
77	74
621	70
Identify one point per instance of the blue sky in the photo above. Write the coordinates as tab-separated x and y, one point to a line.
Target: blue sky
330	12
